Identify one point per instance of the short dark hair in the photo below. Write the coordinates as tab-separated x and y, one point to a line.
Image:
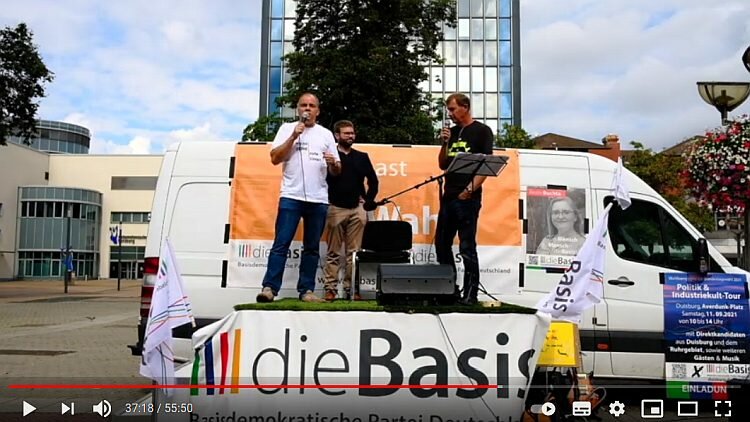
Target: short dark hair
341	123
461	100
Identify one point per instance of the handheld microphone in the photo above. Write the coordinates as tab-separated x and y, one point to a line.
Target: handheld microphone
305	117
447	123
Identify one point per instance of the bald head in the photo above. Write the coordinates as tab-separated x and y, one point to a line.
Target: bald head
308	105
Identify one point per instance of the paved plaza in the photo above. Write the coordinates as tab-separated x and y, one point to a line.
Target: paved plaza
50	337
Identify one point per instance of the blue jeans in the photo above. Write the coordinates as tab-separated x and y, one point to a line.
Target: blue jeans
459	216
287	219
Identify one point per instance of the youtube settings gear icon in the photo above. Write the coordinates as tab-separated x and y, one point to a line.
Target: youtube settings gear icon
616	409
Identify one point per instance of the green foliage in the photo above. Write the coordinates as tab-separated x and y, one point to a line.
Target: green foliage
365	60
263	129
22	73
513	137
341	305
662	173
701	217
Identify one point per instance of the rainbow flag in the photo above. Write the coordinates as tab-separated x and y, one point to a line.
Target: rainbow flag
218	363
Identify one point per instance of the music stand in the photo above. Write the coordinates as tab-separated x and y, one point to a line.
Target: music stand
464	163
478	164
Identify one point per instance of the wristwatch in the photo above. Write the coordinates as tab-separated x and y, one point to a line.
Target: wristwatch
469	190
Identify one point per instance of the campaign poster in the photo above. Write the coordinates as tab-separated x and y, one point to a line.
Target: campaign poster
556	226
706	320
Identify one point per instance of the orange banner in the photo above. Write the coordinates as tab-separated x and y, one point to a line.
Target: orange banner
256	184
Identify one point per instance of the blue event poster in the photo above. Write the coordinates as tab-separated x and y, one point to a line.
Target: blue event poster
706	325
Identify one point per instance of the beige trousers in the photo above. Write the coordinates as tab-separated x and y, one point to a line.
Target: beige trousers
345	229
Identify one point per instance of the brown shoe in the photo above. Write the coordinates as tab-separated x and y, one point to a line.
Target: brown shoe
357	296
265	295
309	296
330	296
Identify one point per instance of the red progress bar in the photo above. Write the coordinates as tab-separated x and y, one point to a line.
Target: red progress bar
228	386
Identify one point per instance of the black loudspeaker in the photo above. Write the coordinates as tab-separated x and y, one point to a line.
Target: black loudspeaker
387	235
408	284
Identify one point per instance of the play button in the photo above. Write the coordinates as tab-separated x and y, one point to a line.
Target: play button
548	409
27	408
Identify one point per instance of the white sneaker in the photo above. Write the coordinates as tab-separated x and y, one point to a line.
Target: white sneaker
309	296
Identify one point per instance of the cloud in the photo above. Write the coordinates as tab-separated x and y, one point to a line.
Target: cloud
139	72
137	145
594	67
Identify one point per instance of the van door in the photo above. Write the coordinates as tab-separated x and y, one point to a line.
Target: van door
645	240
569	171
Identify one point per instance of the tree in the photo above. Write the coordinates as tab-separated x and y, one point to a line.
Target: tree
718	171
365	60
513	137
22	74
662	172
264	129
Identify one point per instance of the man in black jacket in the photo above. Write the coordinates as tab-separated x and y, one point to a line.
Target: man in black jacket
346	214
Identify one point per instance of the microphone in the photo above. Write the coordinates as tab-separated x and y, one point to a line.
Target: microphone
305	117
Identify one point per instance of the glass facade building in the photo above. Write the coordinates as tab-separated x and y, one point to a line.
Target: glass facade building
58	137
482	58
50	216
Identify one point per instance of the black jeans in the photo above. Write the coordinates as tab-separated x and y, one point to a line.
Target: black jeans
458	216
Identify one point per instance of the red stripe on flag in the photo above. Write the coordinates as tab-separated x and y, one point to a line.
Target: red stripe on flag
224	360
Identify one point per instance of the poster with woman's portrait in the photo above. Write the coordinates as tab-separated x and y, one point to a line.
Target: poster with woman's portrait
555	226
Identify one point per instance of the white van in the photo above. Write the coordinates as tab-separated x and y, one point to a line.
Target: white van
621	337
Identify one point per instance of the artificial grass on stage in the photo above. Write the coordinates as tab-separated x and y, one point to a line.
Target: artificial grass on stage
291	304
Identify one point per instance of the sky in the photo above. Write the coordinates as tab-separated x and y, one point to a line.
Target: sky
144	74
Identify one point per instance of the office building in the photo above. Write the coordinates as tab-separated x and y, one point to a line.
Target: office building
482	58
58	137
55	194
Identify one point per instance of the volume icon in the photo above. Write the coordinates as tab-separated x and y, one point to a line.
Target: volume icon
103	408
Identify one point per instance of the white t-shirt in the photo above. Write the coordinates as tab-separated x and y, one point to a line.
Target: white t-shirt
305	171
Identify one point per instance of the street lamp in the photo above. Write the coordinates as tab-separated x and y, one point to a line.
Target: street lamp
725	96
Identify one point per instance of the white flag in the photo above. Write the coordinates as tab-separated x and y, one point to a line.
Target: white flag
581	287
620	189
170	308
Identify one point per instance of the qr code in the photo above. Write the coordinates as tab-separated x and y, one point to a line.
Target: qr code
679	371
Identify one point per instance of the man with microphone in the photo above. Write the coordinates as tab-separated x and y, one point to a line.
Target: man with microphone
462	197
307	152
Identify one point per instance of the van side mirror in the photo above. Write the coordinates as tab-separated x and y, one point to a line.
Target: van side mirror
702	258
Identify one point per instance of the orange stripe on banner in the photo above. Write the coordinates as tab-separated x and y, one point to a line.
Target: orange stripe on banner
255	194
236	360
